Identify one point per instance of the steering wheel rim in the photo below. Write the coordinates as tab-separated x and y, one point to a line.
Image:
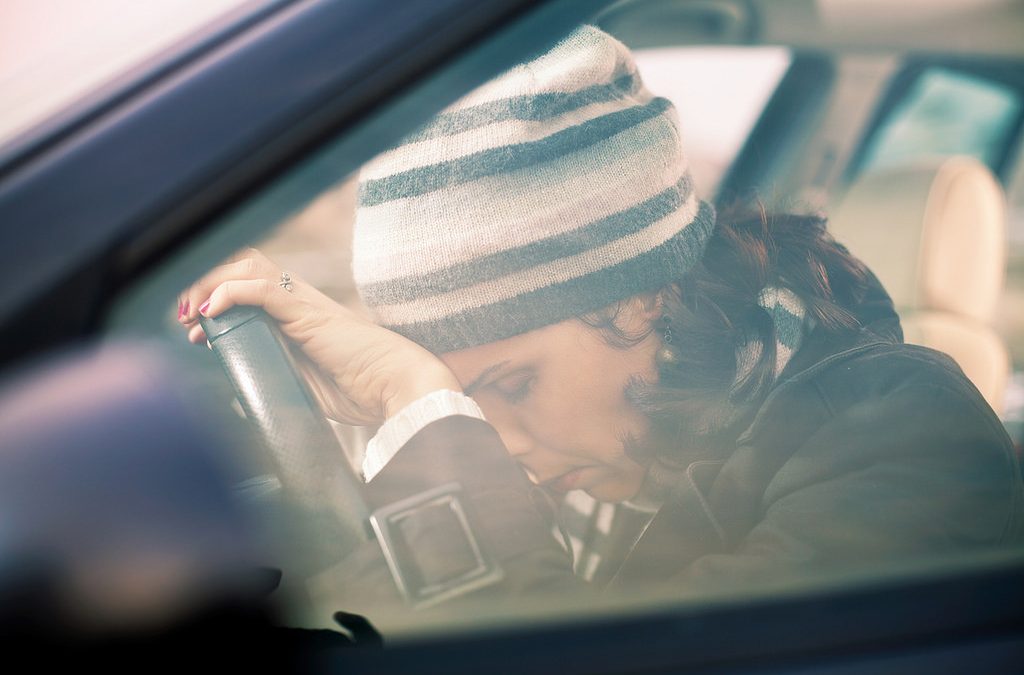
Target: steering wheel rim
318	482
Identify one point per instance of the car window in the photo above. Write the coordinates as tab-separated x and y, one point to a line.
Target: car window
720	94
947	112
726	415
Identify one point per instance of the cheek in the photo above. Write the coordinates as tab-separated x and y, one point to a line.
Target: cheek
600	390
585	414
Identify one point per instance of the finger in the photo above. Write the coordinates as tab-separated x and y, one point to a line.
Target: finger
196	335
278	303
200	292
189	325
250	252
183	305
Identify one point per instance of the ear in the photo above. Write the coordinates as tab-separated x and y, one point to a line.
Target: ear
650	306
638	313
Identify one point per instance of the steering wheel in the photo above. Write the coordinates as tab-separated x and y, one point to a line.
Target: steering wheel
318	482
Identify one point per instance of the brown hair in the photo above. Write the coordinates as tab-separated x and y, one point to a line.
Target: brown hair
713	311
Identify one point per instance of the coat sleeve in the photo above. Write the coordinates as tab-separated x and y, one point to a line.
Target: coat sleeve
511	518
923	472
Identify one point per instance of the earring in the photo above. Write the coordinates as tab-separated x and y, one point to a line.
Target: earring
666	354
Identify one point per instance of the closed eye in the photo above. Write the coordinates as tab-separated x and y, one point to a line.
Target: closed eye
515	387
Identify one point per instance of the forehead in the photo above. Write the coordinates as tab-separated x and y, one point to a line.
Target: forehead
527	348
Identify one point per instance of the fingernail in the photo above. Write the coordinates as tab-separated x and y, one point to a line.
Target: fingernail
181	310
203	307
184	310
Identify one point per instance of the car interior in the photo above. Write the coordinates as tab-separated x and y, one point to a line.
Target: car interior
935	234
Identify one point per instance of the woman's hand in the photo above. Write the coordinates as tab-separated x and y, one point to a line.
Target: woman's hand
361	373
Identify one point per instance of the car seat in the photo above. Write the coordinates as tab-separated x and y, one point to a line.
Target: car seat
935	235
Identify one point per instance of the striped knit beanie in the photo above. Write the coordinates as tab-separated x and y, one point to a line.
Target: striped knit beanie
554	190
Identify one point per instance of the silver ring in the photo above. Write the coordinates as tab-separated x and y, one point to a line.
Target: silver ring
286	282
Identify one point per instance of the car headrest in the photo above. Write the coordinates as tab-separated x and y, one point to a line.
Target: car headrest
933	233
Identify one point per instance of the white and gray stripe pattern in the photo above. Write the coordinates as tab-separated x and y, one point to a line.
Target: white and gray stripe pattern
553	190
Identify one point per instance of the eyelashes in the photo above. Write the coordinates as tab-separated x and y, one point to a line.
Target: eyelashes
515	388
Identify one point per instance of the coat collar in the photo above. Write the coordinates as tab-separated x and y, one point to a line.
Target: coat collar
683	530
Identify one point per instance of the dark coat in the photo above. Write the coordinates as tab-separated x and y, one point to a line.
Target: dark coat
880	451
867	450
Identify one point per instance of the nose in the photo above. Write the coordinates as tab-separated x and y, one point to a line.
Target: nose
514	435
516	441
520	445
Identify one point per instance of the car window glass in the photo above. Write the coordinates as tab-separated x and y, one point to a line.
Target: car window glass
947	113
719	92
870	487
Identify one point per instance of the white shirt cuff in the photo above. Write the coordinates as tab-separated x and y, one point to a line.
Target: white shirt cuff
404	424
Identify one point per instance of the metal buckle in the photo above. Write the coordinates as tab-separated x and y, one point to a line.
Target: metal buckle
445	560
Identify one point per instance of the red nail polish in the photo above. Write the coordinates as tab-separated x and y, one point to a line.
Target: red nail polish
181	310
203	307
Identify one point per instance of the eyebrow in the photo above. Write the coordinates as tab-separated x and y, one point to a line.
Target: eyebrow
479	380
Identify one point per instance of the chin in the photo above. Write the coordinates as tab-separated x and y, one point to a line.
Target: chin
613	491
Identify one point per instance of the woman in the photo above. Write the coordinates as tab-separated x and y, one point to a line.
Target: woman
549	292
